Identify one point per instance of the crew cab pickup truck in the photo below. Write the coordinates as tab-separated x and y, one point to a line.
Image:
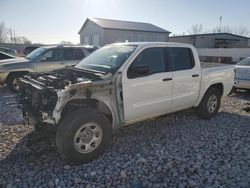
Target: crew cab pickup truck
118	85
46	58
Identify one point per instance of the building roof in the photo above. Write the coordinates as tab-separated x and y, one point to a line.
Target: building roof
125	25
209	34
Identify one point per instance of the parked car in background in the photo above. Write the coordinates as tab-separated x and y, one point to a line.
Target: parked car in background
117	85
242	74
28	49
8	51
42	59
4	55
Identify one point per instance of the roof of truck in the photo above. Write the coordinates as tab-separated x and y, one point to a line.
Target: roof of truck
145	44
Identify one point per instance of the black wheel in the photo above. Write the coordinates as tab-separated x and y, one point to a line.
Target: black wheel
83	135
12	81
210	104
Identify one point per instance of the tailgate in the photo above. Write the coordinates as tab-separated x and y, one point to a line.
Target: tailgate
242	72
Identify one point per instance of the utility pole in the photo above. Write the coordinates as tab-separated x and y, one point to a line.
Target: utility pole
14	36
220	24
11	37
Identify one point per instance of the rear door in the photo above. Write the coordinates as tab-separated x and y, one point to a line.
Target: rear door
150	94
186	78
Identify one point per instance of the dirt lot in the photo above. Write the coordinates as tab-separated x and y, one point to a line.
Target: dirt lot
177	150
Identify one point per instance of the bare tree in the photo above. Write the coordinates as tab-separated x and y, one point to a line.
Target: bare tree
196	29
222	29
22	40
239	30
3	33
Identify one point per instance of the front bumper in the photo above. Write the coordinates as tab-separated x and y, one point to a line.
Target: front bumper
242	83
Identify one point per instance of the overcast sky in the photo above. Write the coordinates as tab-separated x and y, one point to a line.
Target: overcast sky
51	21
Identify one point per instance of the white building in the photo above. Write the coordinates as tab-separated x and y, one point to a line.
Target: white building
98	32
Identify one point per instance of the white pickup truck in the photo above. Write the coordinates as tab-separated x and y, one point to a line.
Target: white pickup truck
118	85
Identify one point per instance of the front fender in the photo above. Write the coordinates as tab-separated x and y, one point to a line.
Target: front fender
65	97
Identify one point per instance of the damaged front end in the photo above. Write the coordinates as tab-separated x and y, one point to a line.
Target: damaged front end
43	95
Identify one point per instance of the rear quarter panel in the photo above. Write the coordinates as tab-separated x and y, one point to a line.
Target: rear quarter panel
217	75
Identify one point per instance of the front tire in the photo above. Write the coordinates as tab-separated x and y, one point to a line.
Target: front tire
83	135
210	104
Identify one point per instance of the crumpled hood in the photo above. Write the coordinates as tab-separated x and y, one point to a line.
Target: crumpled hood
13	61
60	78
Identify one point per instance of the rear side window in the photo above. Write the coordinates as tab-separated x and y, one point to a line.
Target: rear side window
78	54
182	58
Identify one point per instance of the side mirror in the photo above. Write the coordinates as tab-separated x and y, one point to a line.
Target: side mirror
138	71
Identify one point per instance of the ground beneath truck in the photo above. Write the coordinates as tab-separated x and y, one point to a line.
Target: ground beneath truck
175	150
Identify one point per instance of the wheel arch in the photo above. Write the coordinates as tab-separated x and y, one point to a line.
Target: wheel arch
218	85
16	72
93	103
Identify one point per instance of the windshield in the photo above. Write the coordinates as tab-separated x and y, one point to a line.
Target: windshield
245	62
35	53
107	59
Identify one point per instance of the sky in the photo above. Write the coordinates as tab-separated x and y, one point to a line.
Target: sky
51	21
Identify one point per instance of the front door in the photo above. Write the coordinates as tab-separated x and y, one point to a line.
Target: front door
55	59
149	94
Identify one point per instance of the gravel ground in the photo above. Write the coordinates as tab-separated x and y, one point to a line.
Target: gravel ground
178	150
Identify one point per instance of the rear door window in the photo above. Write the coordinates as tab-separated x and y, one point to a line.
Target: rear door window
182	58
78	54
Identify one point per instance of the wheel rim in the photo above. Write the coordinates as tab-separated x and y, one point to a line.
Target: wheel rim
212	103
88	137
15	84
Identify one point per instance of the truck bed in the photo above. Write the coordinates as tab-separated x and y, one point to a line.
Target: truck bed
205	65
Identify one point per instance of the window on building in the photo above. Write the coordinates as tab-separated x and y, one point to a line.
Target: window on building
86	40
182	58
95	40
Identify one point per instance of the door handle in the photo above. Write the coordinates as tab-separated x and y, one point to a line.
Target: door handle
166	79
195	75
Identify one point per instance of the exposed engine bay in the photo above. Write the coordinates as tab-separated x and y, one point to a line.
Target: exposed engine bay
42	92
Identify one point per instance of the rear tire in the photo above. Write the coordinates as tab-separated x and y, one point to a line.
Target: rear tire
83	135
210	104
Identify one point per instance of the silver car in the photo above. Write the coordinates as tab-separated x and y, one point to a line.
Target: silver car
43	59
242	76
